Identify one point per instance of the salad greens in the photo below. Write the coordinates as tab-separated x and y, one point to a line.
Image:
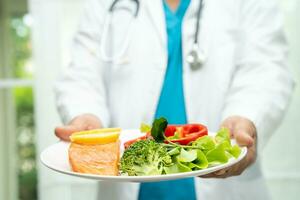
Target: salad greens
158	129
154	157
145	128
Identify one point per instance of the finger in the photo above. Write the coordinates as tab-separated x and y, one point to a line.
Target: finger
91	127
238	168
220	172
243	139
216	174
64	132
211	175
235	170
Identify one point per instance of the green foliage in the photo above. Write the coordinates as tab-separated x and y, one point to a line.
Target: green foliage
26	145
23	98
21	51
24	106
28	183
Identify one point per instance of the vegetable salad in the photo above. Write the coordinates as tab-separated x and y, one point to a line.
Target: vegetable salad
168	149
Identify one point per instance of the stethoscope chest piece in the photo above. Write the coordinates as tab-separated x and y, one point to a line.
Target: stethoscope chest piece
196	58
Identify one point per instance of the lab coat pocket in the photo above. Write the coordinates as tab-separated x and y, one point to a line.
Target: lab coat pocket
121	70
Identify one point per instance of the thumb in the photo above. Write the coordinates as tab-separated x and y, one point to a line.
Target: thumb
64	132
243	139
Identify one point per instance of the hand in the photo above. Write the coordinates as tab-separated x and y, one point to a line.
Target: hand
80	123
244	132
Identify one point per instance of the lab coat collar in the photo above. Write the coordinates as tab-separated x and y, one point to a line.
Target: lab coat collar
192	9
156	13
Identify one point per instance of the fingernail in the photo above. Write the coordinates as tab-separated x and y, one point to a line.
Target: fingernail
250	140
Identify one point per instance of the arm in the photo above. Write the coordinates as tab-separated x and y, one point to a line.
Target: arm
261	86
81	90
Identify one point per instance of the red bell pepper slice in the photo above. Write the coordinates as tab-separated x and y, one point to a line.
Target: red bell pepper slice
186	133
130	142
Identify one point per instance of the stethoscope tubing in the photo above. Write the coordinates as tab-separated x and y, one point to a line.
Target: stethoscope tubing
199	13
193	55
123	48
107	25
114	3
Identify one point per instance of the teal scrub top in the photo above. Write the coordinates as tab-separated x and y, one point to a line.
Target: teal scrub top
171	105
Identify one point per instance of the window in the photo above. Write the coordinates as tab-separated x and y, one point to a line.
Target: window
18	178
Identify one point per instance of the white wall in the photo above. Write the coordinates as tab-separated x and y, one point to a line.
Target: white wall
55	21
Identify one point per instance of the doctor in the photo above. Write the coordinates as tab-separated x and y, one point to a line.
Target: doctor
221	63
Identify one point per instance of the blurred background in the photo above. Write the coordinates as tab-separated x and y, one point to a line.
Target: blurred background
35	37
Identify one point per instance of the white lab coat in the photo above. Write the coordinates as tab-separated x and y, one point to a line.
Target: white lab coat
245	74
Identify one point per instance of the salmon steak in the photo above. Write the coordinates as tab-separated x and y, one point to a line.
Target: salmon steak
99	159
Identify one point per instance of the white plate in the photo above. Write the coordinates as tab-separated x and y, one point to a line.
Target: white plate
55	157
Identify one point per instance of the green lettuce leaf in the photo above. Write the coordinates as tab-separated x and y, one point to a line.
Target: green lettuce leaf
226	145
187	156
217	155
174	151
206	143
145	128
173	169
183	167
235	151
223	135
177	167
201	161
223	138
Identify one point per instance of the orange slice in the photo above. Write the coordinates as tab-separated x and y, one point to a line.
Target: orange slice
99	136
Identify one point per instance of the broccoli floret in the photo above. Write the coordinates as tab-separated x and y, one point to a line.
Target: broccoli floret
145	157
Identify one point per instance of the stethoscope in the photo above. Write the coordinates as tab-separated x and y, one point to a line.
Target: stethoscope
195	58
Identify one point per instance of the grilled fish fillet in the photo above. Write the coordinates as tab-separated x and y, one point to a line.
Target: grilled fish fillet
100	159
